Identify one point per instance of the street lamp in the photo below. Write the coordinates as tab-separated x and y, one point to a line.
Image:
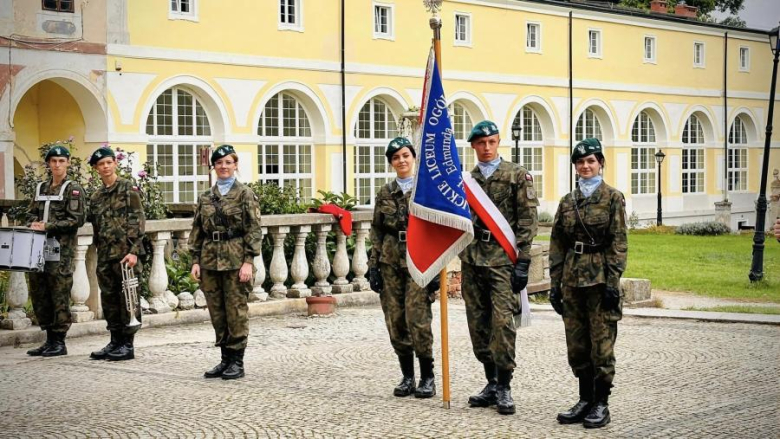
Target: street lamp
757	268
516	129
659	158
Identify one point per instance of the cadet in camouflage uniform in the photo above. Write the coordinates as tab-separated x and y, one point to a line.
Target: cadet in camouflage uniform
50	290
118	221
406	306
225	239
491	284
588	250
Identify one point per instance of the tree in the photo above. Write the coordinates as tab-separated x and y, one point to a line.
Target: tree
705	7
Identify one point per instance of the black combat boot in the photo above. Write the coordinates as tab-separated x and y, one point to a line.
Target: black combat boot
110	347
125	351
578	412
57	346
406	386
37	352
235	369
217	370
427	386
504	402
487	396
598	416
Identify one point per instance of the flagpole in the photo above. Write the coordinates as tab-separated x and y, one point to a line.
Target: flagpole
435	22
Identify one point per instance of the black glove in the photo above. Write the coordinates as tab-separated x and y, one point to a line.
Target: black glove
433	286
611	299
375	279
556	300
519	277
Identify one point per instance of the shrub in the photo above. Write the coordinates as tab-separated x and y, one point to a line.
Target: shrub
655	230
277	200
633	220
545	217
707	228
178	269
343	200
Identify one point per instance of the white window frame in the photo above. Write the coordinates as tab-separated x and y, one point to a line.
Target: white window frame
599	43
737	146
462	121
390	34
591	126
298	25
644	147
693	145
192	15
744	63
538	47
701	62
653	48
376	151
469	26
531	146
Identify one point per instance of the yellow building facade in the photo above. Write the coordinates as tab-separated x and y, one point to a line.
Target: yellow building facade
168	79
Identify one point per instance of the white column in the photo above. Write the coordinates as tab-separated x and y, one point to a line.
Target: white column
258	292
300	266
182	238
16	298
79	293
278	268
93	302
321	264
359	258
158	278
341	264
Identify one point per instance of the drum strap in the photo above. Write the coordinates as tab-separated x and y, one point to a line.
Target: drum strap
49	198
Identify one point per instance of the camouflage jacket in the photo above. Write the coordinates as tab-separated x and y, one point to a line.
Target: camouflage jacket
604	215
238	233
511	188
65	217
117	217
391	215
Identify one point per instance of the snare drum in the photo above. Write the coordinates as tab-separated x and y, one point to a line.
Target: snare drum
21	249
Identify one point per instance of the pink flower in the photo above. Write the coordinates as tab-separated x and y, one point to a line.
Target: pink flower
142	174
120	156
104	144
70	139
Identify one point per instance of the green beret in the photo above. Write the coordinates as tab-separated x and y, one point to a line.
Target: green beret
483	129
396	144
57	150
221	151
101	153
586	148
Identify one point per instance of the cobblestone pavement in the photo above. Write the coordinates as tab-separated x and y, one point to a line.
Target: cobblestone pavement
333	377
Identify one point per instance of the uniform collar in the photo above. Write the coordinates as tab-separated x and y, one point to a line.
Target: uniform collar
230	194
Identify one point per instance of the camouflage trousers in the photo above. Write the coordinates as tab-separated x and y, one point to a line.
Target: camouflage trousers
50	294
112	298
407	309
490	303
590	332
227	298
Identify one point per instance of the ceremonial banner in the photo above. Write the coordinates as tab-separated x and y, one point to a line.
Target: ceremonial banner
439	217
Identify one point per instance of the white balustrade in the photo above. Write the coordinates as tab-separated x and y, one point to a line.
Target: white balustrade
278	268
359	258
299	267
341	264
158	277
258	292
80	291
321	264
16	298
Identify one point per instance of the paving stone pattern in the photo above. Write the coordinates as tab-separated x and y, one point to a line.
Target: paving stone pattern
333	377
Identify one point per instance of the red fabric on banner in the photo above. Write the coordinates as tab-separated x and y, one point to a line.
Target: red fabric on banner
438	239
344	216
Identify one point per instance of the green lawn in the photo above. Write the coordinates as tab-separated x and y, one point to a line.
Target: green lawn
739	309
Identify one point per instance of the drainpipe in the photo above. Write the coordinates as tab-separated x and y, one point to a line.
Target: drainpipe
725	117
571	102
343	104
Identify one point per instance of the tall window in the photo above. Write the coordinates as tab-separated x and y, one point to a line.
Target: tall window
375	128
531	145
744	59
533	37
179	130
284	154
588	126
594	43
290	14
693	156
643	155
383	21
462	123
737	156
183	10
58	5
462	29
649	55
698	54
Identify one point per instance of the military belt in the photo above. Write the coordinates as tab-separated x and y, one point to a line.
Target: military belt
483	235
225	236
581	248
400	234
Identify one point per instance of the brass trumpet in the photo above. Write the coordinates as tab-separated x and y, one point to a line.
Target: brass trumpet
129	288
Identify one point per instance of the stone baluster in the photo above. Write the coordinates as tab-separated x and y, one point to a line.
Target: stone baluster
341	264
158	278
359	258
278	268
258	292
80	291
182	237
321	264
299	266
16	298
93	302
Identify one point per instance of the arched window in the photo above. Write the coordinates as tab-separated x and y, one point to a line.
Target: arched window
462	123
376	127
531	145
737	158
693	156
588	126
643	155
179	129
284	154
